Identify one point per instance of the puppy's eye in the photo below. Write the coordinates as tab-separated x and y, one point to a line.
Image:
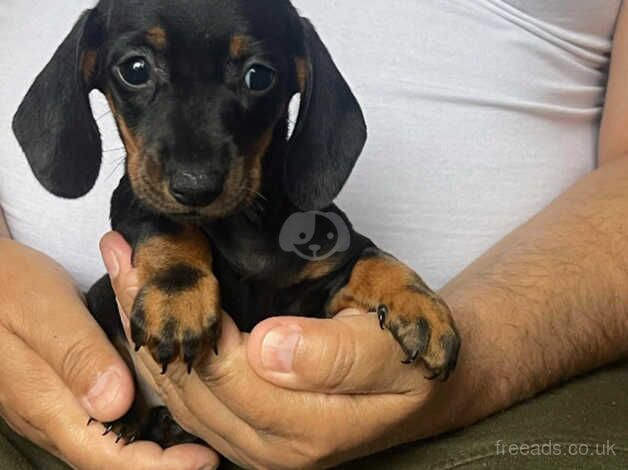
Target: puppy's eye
259	78
135	72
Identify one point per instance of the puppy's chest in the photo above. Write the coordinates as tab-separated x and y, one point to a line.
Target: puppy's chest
252	296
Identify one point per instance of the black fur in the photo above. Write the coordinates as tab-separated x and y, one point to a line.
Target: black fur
178	278
54	124
330	134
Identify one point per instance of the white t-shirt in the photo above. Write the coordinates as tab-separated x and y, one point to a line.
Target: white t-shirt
480	113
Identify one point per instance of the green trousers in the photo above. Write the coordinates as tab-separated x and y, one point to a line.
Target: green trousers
582	424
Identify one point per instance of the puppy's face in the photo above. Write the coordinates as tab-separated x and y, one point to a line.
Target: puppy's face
200	91
197	89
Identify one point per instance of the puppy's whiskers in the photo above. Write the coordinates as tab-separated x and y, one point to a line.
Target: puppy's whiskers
103	115
121	160
256	205
113	149
260	196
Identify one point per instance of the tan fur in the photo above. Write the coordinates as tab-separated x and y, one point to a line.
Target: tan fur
302	68
156	37
239	46
156	254
385	281
88	65
255	160
317	269
194	310
132	145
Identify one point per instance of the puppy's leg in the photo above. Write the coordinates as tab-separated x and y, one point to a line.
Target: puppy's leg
177	312
418	318
145	420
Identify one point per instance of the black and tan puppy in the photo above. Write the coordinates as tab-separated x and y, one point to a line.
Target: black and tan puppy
215	199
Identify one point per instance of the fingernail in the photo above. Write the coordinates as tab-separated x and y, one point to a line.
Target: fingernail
104	391
278	348
112	265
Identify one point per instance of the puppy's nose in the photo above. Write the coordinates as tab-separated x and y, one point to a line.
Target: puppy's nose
194	189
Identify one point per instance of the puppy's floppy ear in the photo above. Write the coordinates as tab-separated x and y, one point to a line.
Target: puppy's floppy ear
330	131
54	124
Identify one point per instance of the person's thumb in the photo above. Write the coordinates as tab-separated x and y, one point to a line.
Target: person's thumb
117	255
346	354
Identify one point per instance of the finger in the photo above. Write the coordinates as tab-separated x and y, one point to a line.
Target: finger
346	354
59	328
117	255
32	389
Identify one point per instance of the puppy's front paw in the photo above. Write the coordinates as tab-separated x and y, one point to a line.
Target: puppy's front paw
422	324
177	314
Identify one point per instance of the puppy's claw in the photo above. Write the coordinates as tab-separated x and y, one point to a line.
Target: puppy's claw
108	429
138	347
434	375
90	421
119	437
216	349
131	439
412	358
189	368
164	368
382	313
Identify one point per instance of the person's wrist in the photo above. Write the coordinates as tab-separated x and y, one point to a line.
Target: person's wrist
478	387
475	389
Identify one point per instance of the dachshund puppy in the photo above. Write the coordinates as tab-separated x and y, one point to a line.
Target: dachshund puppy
223	209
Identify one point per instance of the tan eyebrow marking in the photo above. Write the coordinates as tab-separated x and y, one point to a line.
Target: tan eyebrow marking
89	64
239	46
157	37
302	73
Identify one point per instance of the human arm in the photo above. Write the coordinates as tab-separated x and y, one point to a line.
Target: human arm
613	135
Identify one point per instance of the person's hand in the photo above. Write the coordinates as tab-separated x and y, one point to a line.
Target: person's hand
297	392
59	369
